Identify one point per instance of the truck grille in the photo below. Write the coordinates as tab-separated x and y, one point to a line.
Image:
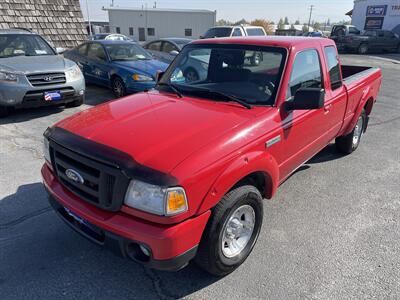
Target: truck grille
47	79
103	186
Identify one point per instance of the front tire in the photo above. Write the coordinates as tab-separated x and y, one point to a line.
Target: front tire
231	232
363	49
118	87
349	143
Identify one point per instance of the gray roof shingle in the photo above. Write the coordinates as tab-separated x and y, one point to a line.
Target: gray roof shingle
59	21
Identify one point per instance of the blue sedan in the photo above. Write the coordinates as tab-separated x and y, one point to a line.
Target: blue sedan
123	66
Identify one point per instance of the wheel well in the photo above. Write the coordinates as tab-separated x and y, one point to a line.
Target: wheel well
368	106
115	76
259	180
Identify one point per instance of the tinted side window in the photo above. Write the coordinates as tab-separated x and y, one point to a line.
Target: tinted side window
237	32
96	51
306	72
333	67
82	49
168	47
156	46
255	32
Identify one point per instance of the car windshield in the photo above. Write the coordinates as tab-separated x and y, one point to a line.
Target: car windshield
127	52
249	73
218	32
23	45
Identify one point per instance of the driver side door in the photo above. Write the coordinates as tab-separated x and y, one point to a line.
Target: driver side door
98	65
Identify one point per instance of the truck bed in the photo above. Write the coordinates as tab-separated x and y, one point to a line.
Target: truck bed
353	73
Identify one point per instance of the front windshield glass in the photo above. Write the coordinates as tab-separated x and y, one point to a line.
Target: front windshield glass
249	73
127	52
23	45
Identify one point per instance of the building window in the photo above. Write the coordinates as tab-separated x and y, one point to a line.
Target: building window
188	32
151	32
118	30
130	30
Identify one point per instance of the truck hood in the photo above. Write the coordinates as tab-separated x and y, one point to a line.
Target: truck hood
35	64
157	130
148	67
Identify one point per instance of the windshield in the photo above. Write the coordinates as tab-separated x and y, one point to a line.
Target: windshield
218	32
249	73
23	45
127	52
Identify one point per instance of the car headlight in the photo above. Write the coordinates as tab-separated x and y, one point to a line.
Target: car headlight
8	77
73	74
140	77
155	199
46	150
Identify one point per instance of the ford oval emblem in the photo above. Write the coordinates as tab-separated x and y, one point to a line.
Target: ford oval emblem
47	78
74	176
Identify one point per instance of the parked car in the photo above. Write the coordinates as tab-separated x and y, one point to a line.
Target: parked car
344	30
237	31
370	40
166	49
180	173
32	74
314	34
123	66
109	36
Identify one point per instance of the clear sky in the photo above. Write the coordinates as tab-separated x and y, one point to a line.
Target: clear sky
234	10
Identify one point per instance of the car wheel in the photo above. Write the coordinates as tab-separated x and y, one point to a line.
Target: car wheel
118	87
191	75
363	49
255	59
231	232
4	111
349	143
75	103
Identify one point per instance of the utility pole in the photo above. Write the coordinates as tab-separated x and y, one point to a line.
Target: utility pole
112	3
155	4
309	20
88	17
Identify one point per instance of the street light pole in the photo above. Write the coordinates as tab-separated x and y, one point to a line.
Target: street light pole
88	16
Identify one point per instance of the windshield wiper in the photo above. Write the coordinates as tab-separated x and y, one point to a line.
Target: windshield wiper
172	87
229	97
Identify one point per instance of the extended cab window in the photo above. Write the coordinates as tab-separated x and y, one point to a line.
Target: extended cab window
306	72
333	67
255	32
237	32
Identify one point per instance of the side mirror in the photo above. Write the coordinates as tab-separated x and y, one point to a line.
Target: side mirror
201	37
305	99
159	75
174	53
60	50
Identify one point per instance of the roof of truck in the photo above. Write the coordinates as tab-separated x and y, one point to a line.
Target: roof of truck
279	41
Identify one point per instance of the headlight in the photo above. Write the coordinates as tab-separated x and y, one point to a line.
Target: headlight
139	77
46	149
155	199
73	74
8	77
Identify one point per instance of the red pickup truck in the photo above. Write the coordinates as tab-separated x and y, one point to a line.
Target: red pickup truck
180	172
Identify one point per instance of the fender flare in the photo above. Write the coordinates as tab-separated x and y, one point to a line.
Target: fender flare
244	165
366	95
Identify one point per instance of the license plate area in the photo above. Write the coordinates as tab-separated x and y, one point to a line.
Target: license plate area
52	96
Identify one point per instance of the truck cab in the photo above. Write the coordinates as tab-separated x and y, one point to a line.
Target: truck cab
234	31
180	173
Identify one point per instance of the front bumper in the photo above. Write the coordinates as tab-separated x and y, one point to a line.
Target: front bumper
134	86
171	246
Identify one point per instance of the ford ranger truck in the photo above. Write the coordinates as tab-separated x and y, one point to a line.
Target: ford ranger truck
179	173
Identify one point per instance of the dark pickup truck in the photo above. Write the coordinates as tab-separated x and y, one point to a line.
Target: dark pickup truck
180	172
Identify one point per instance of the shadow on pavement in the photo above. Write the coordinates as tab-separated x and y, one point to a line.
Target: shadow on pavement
51	261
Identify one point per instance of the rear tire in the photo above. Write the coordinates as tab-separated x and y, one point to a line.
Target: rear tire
363	49
191	75
231	232
349	143
255	59
4	111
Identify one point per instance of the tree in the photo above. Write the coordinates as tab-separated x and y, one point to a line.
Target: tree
242	21
305	28
286	21
297	22
223	22
267	25
317	26
292	27
281	24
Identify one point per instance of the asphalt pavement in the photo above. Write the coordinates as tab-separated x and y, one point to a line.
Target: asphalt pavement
331	232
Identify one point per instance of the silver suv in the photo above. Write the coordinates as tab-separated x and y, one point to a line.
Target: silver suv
32	73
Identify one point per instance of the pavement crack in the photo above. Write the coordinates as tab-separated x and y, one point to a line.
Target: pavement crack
157	284
25	217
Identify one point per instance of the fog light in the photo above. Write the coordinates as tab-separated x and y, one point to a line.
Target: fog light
145	250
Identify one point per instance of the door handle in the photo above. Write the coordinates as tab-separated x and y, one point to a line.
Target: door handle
327	108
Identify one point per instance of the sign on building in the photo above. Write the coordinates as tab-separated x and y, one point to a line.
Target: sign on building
394	10
376	10
373	23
